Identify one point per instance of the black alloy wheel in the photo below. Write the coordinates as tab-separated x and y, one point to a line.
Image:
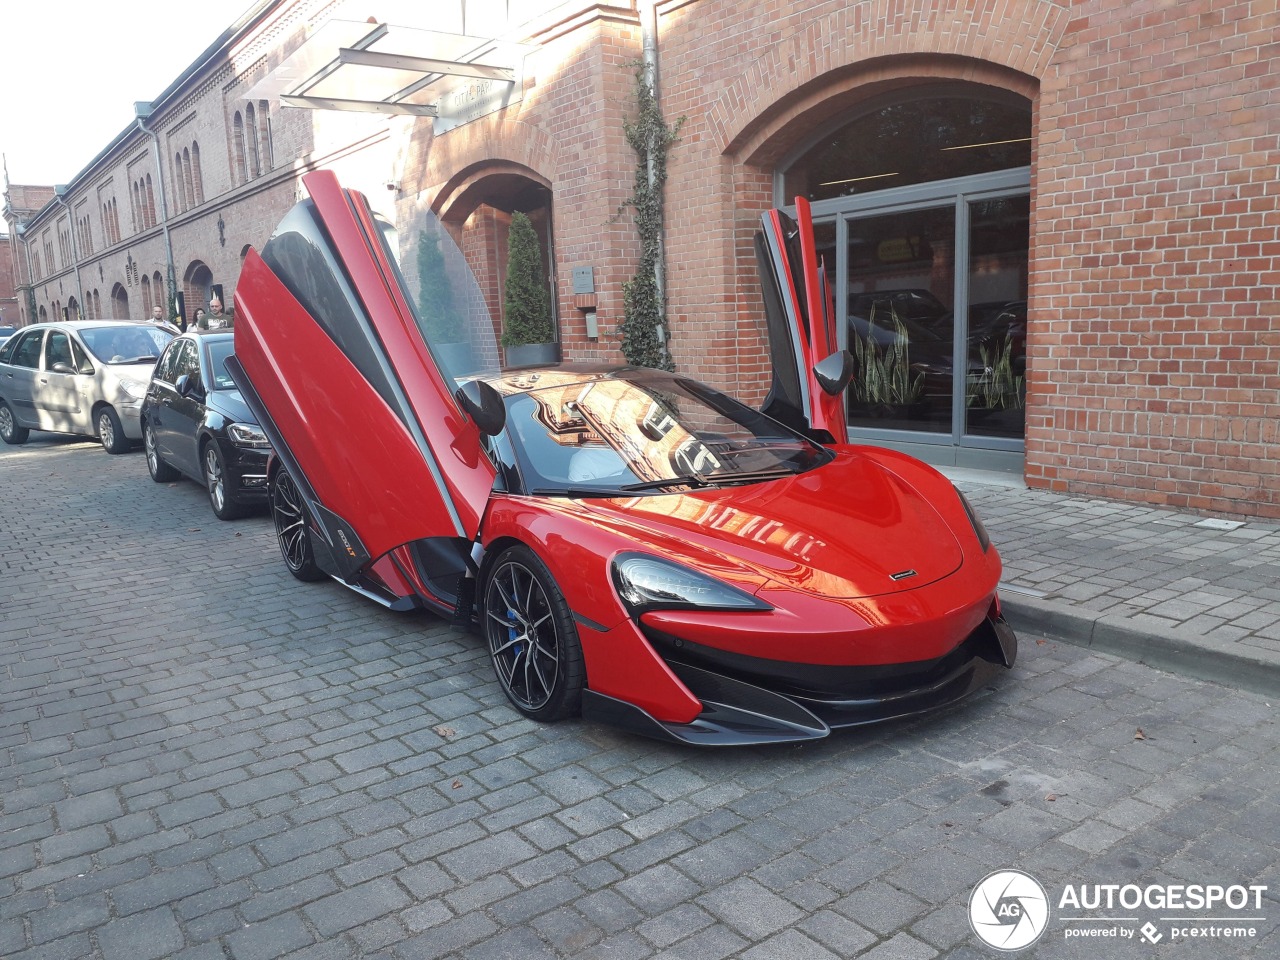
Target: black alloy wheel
10	432
111	431
160	471
293	533
215	479
532	639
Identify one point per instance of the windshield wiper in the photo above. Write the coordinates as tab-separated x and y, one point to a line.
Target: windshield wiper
575	493
689	480
751	476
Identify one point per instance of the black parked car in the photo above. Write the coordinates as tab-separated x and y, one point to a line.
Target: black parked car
194	422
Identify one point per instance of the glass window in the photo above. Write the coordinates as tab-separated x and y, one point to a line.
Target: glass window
126	343
934	136
188	363
164	369
27	353
219	351
57	349
647	431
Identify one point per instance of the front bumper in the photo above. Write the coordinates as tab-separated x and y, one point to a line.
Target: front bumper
747	700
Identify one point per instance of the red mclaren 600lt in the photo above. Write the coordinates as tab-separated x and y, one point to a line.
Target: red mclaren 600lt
632	545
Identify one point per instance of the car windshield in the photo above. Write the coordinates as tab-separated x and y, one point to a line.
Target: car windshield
645	432
219	350
135	343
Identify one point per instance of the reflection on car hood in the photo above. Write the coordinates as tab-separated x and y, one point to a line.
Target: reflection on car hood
841	531
230	404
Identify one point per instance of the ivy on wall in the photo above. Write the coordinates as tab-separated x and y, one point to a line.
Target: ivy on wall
644	308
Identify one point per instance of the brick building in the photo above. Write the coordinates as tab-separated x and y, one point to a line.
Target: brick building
1065	212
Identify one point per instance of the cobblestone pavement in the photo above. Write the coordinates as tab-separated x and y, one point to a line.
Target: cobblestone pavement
203	758
1199	595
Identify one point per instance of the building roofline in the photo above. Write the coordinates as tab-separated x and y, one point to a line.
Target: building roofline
144	109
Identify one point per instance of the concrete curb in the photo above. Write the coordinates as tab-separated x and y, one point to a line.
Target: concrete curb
1148	640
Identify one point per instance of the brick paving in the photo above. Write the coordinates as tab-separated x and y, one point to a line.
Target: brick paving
1192	593
203	758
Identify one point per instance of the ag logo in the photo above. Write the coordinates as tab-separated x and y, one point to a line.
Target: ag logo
1008	910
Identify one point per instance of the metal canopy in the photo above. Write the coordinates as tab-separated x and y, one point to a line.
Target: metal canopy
382	68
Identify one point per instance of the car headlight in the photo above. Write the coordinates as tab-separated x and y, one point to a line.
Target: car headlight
134	389
978	528
649	583
248	435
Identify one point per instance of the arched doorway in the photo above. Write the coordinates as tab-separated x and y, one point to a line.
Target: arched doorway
73	309
197	283
119	302
477	210
922	206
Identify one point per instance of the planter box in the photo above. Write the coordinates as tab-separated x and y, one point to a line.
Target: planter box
532	355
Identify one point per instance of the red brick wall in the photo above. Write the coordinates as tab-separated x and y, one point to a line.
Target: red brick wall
1153	345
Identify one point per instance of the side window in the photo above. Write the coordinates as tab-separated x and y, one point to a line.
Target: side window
7	348
80	359
187	363
27	353
168	362
57	350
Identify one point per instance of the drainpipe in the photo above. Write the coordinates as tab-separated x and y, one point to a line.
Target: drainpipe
32	315
648	10
142	111
59	193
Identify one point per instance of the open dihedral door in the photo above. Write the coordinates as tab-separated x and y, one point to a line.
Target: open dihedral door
810	371
336	361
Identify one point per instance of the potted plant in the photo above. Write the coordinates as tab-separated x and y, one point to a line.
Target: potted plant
528	332
883	382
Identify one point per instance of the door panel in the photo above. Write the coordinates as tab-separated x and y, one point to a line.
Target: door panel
800	322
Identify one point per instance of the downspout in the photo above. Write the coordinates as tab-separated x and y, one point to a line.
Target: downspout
648	10
32	316
59	192
142	111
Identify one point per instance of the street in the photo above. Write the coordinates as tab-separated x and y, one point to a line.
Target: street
201	757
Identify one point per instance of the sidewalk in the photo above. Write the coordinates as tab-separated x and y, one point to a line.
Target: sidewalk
1191	595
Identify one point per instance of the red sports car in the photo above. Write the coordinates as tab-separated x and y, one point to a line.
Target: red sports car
633	545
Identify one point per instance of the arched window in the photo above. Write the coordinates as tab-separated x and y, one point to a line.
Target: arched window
146	295
151	203
179	191
197	175
188	179
97	307
135	207
251	139
237	147
264	136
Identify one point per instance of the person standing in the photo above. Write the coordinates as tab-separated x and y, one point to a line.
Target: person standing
157	319
198	322
217	320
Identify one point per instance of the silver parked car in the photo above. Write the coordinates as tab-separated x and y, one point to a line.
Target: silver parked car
85	377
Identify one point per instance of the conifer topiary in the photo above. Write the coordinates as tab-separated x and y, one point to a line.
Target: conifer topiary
526	307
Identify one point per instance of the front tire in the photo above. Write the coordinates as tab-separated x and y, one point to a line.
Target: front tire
217	484
10	432
293	530
111	431
532	638
160	471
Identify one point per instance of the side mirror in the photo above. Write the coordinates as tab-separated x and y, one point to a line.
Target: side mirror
61	367
188	389
483	405
834	372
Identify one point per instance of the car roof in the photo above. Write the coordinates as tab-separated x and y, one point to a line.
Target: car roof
84	324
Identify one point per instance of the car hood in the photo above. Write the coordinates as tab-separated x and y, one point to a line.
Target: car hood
230	404
844	530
